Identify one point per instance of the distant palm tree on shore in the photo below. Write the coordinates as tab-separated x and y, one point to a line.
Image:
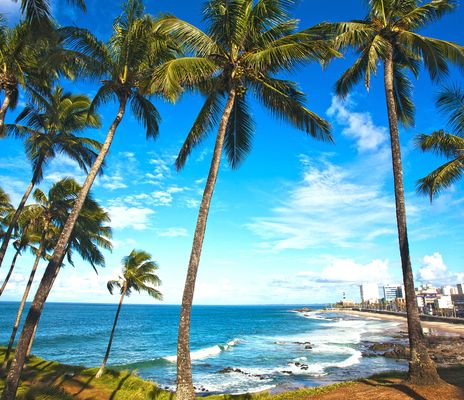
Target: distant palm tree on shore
138	273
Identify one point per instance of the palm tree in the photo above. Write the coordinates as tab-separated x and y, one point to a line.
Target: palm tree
50	128
451	102
134	50
246	44
48	216
139	274
389	35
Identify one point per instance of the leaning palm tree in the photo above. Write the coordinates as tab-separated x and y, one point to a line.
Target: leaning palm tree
139	274
246	44
134	50
49	127
47	216
389	35
449	145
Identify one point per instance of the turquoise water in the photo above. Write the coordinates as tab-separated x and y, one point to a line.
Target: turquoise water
264	342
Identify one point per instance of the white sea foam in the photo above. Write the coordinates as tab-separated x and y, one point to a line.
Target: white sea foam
207	352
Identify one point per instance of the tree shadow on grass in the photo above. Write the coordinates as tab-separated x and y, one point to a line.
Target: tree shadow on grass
120	384
390	383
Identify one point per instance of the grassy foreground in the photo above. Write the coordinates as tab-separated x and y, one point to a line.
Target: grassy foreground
49	380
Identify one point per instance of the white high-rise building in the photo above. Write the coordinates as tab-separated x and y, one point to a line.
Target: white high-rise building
390	292
369	293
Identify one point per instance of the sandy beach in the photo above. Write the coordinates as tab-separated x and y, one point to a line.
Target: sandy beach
433	328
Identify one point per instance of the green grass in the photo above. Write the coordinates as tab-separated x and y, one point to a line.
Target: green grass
43	380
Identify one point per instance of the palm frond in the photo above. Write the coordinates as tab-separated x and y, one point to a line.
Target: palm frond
146	113
424	14
239	132
286	102
450	100
441	143
403	96
207	118
435	53
171	77
441	178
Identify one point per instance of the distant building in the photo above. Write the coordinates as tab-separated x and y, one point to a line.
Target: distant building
390	292
400	293
443	302
460	287
458	302
448	290
369	293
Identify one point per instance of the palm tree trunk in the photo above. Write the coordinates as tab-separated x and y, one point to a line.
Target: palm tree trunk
12	266
25	295
14	374
185	389
422	370
108	349
19	210
29	348
4	109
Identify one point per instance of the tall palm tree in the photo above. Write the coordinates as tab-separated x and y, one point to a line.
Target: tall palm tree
246	44
389	35
450	145
48	217
134	50
139	274
49	127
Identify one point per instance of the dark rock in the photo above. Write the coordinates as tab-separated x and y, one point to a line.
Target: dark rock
287	372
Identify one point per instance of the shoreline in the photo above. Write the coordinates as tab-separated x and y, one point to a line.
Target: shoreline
430	327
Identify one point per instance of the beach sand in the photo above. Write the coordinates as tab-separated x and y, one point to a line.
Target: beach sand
432	328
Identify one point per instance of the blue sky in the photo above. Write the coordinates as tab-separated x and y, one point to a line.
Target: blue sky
299	222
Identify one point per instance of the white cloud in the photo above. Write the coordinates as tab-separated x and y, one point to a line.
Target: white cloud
192	203
123	217
435	270
113	182
347	270
358	126
173	232
329	206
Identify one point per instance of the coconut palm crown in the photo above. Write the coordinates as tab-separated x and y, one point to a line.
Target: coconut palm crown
139	274
393	25
450	145
245	45
49	127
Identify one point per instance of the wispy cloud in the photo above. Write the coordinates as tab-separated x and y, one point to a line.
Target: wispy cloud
173	232
327	207
358	125
133	217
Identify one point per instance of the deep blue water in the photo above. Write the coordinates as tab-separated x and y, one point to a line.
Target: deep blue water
261	341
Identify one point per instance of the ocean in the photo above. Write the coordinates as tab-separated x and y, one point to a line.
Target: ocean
234	349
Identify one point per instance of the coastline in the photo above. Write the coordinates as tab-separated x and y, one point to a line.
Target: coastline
430	327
